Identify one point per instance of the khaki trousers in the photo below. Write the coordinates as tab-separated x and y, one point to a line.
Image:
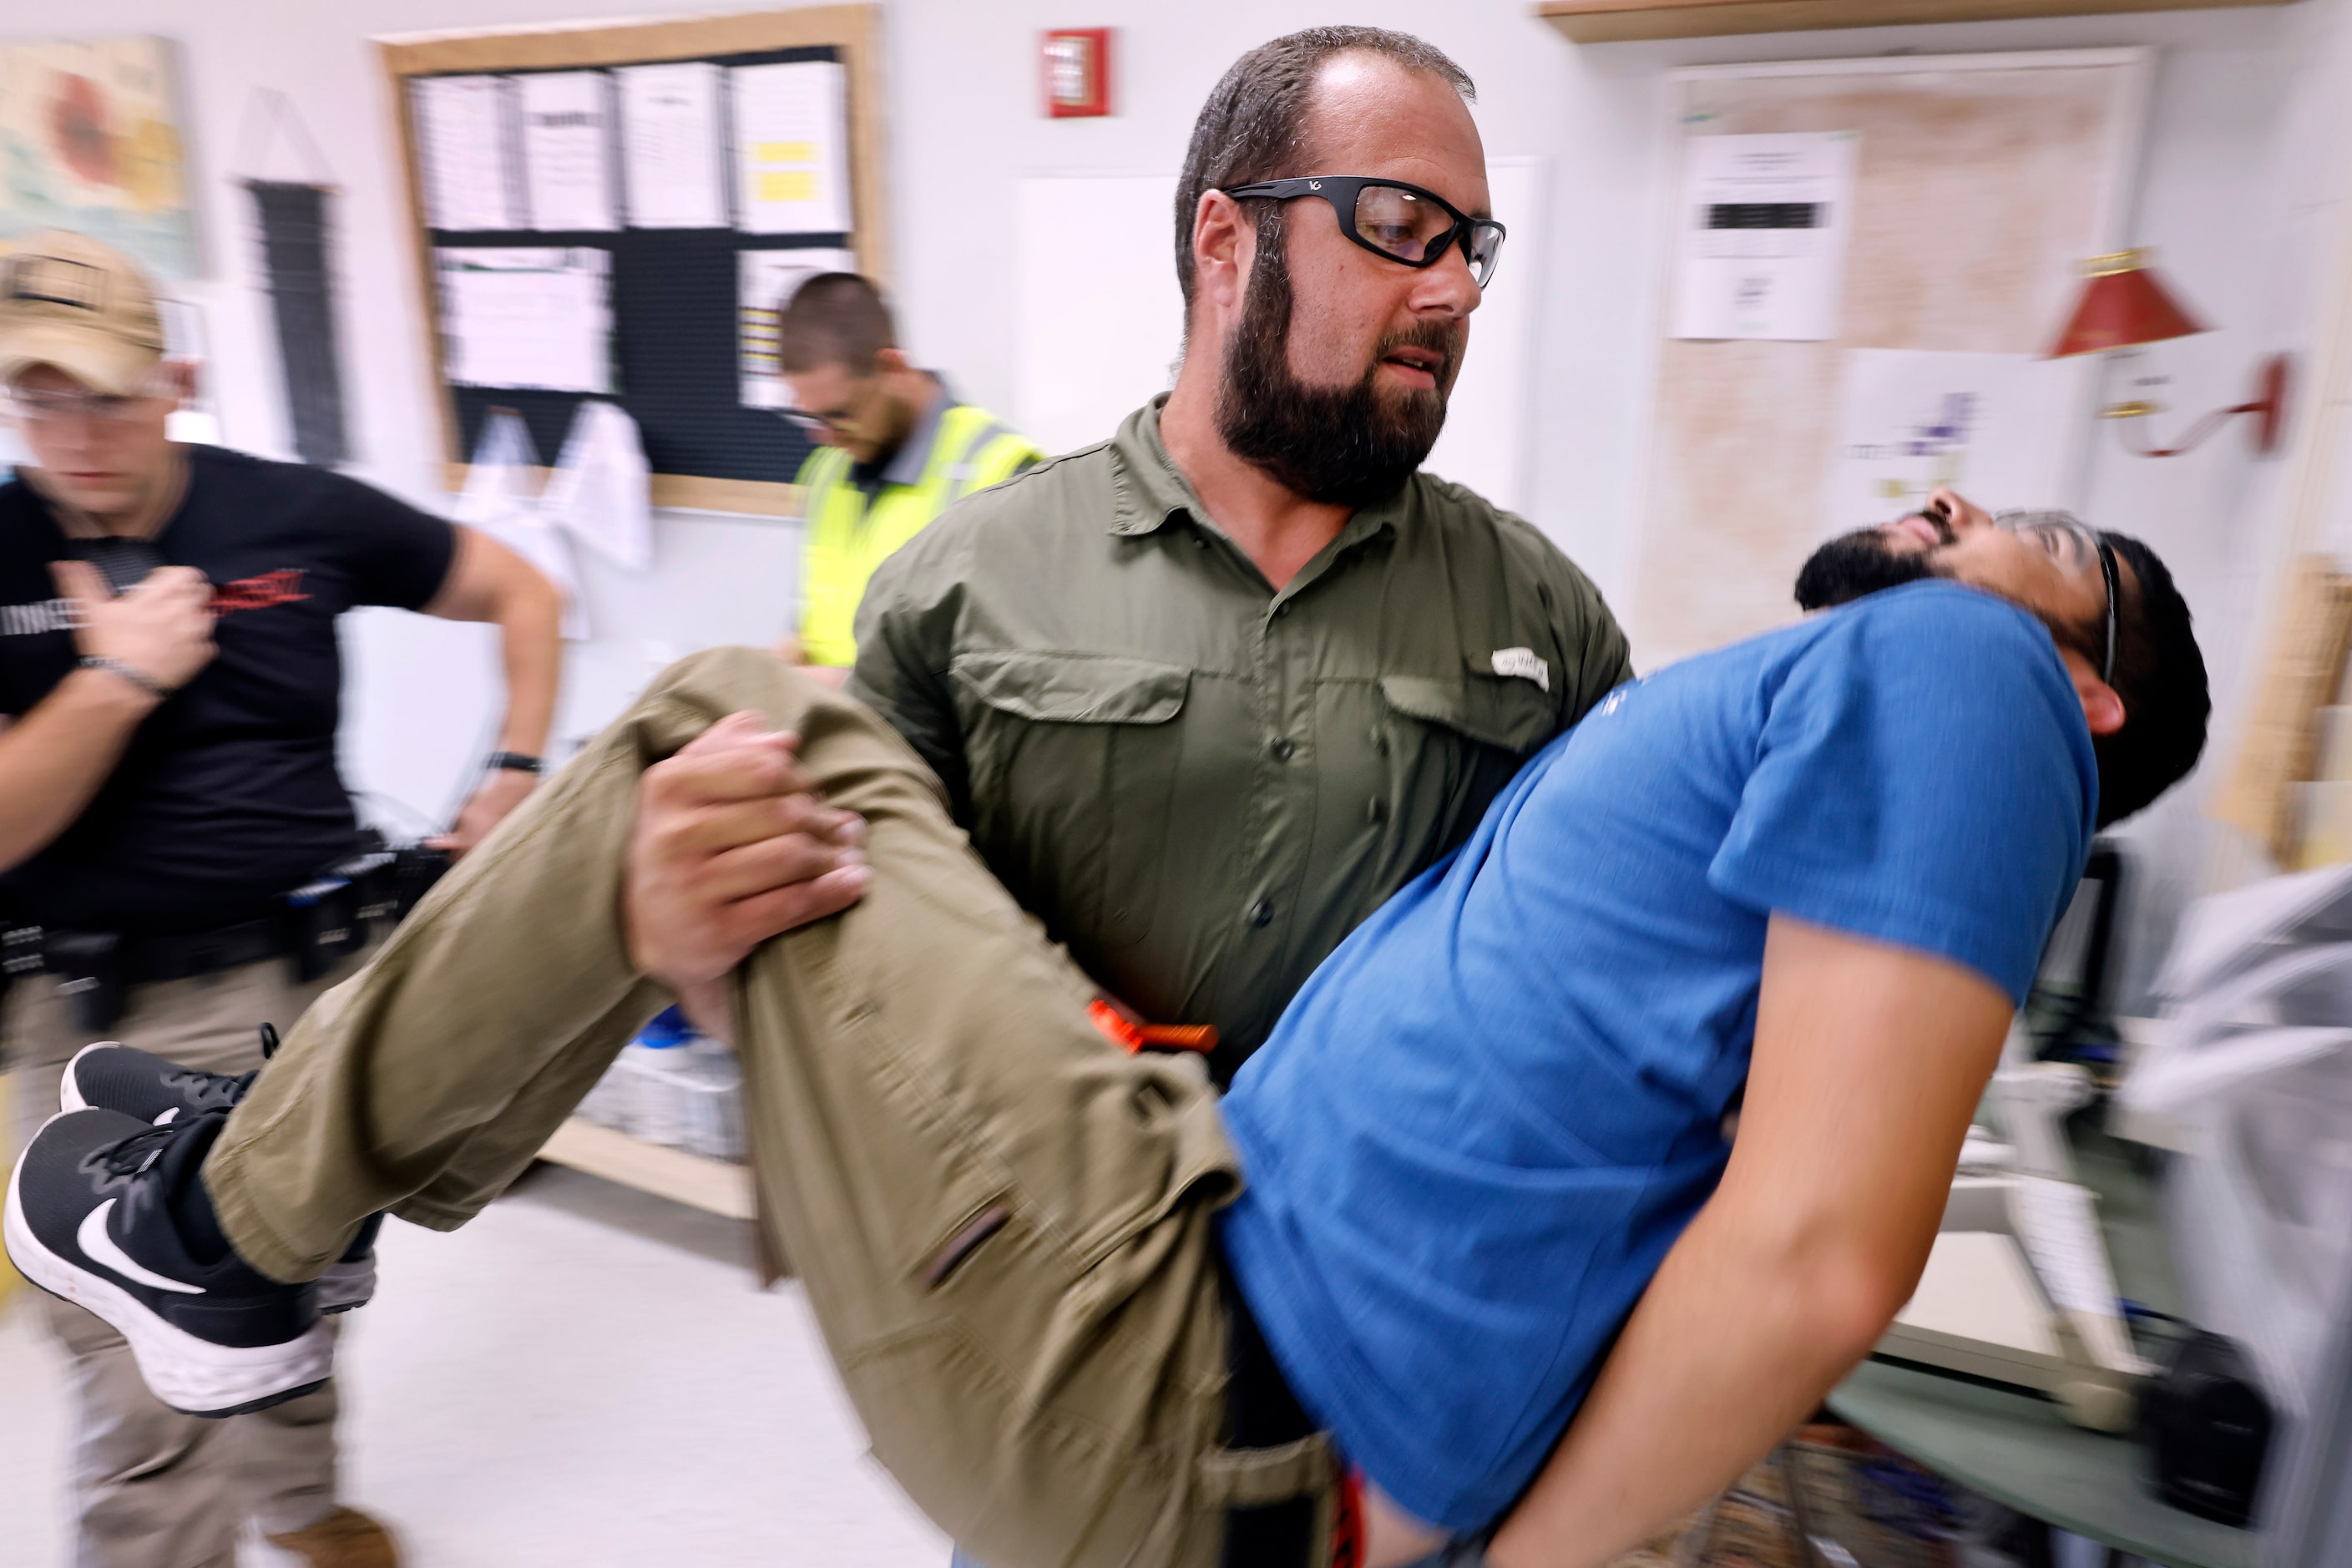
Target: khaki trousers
1003	1222
154	1487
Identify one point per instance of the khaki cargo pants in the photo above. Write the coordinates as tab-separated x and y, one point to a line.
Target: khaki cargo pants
1003	1222
154	1487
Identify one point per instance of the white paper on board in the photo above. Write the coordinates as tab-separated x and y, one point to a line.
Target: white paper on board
600	492
670	145
1992	426
526	316
1761	241
764	280
462	139
792	160
497	500
567	150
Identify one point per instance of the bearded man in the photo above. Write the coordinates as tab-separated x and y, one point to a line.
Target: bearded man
1205	694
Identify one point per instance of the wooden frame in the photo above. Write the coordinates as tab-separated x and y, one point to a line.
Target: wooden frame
855	30
1616	21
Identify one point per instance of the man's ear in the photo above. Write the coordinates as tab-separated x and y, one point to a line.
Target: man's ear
1222	247
2103	710
180	376
890	361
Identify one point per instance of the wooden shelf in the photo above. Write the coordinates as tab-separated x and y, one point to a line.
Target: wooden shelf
713	1184
752	498
1617	21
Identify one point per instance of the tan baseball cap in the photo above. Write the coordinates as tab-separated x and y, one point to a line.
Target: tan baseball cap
68	301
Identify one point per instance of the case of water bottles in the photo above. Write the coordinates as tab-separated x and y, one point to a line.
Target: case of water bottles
674	1086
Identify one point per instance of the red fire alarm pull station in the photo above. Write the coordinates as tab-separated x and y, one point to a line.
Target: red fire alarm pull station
1077	72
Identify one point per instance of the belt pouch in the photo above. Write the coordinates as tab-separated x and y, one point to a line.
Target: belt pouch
323	926
88	967
414	868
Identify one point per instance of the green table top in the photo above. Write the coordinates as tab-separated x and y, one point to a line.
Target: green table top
2017	1449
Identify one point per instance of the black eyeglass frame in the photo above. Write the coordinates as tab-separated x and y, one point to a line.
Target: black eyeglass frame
1341	191
815	425
2011	522
2108	570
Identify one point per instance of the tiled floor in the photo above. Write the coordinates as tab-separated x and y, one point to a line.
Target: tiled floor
582	1376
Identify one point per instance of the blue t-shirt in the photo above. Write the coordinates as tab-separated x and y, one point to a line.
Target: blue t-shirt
1480	1125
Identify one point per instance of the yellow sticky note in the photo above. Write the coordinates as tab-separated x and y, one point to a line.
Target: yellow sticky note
788	186
784	151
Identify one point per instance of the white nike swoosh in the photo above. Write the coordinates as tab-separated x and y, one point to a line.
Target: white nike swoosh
99	1247
167	1117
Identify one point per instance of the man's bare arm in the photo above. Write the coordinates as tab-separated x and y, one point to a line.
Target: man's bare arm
55	759
1869	1062
488	582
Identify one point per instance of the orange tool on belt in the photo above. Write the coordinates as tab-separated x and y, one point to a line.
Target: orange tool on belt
1122	1028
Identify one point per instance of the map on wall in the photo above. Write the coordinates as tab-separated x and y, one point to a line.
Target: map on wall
89	141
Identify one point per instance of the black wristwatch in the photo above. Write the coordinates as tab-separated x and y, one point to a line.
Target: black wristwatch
513	762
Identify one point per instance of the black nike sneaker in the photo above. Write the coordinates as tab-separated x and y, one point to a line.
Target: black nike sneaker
114	1077
91	1220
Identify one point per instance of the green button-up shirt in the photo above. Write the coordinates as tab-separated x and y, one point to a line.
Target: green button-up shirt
1201	783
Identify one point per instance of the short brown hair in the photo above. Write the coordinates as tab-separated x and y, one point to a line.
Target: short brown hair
1254	124
835	318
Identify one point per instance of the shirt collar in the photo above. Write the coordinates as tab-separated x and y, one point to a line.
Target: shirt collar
1145	479
1152	490
914	454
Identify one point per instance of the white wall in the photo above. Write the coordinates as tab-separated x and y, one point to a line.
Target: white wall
2243	177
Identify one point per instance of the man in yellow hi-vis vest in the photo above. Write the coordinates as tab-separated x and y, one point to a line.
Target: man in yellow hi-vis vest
896	449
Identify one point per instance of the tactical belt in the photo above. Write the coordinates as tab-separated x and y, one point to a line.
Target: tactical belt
317	925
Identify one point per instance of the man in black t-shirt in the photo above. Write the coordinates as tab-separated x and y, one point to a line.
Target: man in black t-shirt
170	690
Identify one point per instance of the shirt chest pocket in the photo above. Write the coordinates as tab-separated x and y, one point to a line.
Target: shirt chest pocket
1074	759
1452	743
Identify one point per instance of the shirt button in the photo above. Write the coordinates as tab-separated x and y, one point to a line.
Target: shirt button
1261	913
1282	749
1283	608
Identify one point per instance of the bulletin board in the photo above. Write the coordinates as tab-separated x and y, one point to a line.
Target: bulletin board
1981	184
675	321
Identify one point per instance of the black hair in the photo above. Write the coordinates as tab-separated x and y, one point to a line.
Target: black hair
835	318
1253	125
2160	676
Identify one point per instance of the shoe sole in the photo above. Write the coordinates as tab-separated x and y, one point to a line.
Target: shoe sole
193	1376
345	1287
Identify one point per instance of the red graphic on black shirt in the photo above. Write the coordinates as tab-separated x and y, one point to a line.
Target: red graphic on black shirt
258	593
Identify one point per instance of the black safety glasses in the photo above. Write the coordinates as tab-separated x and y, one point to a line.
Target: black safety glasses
2063	537
2108	570
1390	218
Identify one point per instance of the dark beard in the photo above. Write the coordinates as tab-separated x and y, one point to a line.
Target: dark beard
1347	446
1859	563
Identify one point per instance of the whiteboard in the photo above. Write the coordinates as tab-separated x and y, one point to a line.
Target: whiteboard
1102	323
